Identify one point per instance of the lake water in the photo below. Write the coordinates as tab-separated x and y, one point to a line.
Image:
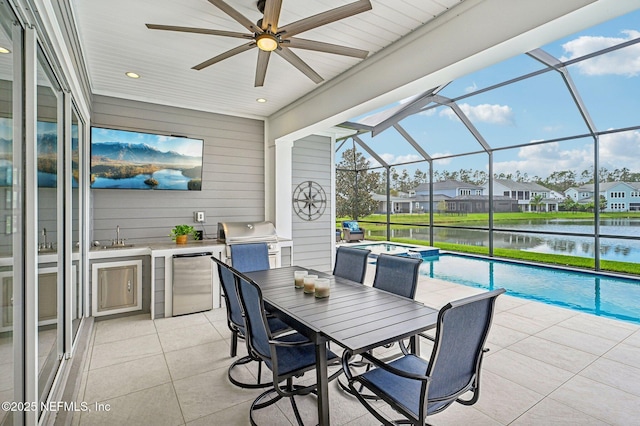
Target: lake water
167	179
610	249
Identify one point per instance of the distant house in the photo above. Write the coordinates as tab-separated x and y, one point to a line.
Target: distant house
450	188
480	204
449	196
406	203
524	192
620	196
399	203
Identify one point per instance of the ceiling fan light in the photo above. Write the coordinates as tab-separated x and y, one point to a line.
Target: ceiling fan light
266	42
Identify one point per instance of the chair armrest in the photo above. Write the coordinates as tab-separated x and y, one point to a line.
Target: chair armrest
290	344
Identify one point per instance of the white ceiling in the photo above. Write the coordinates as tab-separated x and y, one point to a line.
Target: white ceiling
115	40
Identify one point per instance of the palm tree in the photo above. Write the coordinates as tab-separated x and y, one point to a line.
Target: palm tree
536	201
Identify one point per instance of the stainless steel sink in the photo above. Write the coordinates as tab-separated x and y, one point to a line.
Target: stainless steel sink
116	246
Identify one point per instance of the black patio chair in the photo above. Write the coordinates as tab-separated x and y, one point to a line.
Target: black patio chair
287	356
250	257
417	388
235	322
351	263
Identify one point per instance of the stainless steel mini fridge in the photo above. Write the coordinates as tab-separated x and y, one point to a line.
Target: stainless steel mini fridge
192	283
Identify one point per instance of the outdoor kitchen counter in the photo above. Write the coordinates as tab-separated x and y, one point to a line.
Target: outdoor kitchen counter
156	249
160	256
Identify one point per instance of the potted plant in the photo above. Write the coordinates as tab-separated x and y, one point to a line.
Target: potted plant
180	233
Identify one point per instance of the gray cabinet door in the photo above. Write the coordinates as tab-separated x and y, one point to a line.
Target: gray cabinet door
117	287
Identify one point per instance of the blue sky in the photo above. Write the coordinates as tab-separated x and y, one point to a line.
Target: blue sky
185	146
536	109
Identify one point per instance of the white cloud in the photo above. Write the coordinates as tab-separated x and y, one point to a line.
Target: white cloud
444	161
620	150
544	159
484	113
471	88
624	61
392	159
428	112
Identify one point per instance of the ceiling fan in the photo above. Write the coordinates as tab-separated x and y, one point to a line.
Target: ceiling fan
268	37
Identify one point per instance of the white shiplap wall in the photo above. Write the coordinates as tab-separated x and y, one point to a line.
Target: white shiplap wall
312	239
232	176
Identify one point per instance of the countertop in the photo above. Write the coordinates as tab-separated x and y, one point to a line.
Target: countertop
155	249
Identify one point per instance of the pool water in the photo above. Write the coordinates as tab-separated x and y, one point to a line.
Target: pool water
601	295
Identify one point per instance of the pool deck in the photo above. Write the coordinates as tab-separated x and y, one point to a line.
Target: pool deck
546	366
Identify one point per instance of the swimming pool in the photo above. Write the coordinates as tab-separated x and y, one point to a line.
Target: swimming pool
597	294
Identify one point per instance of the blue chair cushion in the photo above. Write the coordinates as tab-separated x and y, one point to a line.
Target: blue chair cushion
293	358
402	391
352	225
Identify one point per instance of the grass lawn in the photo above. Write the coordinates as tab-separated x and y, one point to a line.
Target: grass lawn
474	218
378	222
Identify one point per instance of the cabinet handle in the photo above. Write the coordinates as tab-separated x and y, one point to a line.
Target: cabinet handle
129	286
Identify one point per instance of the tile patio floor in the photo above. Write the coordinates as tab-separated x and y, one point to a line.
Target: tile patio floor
547	366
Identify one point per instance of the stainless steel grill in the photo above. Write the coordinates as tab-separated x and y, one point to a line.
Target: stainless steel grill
231	233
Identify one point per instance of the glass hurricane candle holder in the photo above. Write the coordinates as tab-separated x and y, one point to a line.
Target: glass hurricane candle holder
298	278
310	283
323	287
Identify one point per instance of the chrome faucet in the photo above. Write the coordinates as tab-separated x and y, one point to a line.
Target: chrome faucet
44	234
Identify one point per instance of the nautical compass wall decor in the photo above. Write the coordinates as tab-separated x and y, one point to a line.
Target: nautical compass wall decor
309	200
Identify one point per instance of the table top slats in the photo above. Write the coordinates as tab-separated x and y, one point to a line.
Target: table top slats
355	316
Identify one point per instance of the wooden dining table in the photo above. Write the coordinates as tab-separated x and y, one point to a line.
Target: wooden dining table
357	317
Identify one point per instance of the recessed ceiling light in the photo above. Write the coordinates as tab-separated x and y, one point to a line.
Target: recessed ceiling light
261	100
4	50
132	74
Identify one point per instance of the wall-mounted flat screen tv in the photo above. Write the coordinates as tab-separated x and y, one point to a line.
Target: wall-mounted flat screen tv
136	160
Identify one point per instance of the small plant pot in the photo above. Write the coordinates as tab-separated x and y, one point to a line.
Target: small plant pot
181	239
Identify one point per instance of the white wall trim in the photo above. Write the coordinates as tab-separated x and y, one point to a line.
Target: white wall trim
283	182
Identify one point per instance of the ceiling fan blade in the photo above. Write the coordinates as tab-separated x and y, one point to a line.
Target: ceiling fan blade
299	43
261	68
324	18
237	16
225	55
271	15
199	31
294	60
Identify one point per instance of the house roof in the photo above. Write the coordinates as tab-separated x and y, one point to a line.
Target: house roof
446	184
521	186
418	198
604	186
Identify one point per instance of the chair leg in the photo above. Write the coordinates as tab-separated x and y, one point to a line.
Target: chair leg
234	343
258	404
242	361
293	402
